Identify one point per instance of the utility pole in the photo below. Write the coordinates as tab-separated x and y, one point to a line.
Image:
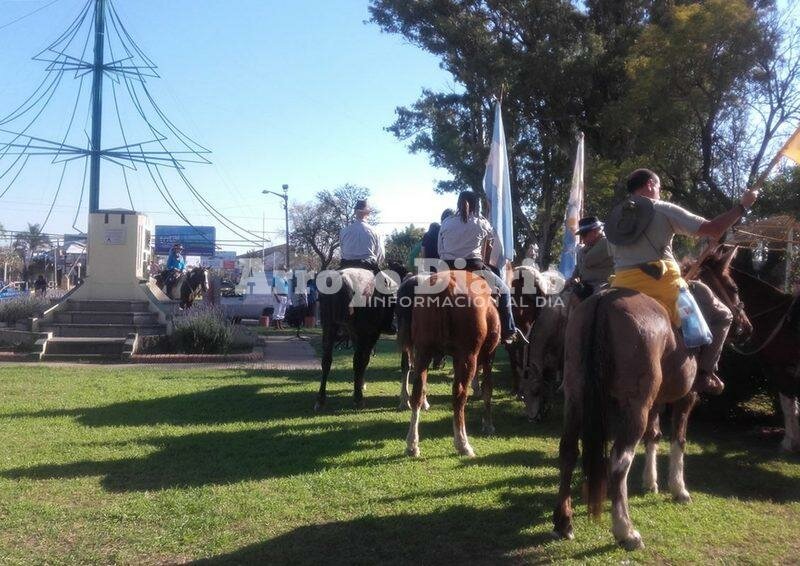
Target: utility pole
285	197
97	104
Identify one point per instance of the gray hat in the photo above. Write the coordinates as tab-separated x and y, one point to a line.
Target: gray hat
629	219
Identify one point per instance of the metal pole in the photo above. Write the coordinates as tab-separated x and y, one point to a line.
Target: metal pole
787	284
97	104
55	266
286	221
263	241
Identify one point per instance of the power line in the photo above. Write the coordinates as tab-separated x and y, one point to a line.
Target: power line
29	14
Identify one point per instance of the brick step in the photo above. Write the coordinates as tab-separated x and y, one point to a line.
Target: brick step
111	347
106	317
101	330
106	306
93	358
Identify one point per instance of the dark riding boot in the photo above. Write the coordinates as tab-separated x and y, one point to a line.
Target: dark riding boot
508	331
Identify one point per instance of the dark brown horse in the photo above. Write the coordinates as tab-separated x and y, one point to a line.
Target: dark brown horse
461	320
352	305
774	341
529	289
190	284
623	363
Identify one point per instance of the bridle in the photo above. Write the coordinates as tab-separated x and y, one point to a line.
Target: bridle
733	302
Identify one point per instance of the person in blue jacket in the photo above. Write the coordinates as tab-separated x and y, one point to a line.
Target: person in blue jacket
175	266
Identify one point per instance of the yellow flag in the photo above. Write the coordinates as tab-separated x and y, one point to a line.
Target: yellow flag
792	147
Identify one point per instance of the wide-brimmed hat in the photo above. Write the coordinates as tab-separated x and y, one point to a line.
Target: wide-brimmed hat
629	219
362	206
587	224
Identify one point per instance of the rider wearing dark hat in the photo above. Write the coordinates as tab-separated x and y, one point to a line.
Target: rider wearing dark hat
361	245
594	262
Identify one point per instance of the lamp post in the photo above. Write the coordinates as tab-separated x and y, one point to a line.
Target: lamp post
285	197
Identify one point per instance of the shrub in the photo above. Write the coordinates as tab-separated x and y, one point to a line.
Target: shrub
202	330
22	307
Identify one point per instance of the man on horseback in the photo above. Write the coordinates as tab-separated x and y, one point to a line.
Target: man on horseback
641	230
175	267
361	245
362	248
594	262
464	242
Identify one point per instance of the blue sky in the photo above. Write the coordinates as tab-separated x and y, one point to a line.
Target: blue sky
281	92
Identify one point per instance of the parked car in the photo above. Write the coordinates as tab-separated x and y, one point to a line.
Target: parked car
11	291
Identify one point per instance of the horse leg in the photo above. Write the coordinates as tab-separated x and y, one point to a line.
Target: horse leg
567	457
477	391
680	422
487	386
405	369
791	414
328	336
622	453
420	367
361	355
465	368
651	437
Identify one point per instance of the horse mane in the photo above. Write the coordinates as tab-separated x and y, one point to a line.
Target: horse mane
542	281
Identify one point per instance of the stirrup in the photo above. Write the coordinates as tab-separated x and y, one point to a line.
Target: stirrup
517	335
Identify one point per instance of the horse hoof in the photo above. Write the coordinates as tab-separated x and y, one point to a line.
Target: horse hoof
319	406
488	430
359	404
467	452
426	405
682	498
568	535
651	488
404	406
634	542
789	447
413	452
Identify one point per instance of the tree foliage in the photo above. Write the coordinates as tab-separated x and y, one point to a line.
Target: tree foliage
697	90
316	224
400	242
27	243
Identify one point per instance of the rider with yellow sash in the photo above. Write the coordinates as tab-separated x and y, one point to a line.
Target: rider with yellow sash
641	230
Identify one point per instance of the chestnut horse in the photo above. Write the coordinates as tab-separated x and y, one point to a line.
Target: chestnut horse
775	341
623	362
459	319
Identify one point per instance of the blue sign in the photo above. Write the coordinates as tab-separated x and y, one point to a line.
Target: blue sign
196	240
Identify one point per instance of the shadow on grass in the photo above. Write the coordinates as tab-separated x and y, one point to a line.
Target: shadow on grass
456	535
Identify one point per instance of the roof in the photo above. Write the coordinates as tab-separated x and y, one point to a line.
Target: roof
774	230
281	249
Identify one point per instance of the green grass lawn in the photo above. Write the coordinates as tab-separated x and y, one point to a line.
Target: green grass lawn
106	465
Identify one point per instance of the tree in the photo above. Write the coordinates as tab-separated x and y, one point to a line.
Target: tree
27	243
697	90
316	224
400	243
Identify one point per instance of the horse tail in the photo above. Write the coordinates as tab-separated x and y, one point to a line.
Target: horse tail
404	309
596	371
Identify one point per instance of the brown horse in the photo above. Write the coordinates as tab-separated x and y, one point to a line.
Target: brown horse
545	358
622	364
529	288
775	341
460	320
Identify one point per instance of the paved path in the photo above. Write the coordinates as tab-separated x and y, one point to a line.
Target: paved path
281	352
287	352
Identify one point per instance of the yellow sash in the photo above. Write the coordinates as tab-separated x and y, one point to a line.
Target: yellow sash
664	290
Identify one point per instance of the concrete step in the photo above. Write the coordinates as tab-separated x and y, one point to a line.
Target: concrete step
111	347
106	306
106	317
64	329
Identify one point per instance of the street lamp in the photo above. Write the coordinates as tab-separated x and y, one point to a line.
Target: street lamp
285	197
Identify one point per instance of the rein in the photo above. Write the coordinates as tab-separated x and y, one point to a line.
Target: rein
772	334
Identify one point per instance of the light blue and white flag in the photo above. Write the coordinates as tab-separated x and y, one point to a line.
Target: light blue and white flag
497	186
573	214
